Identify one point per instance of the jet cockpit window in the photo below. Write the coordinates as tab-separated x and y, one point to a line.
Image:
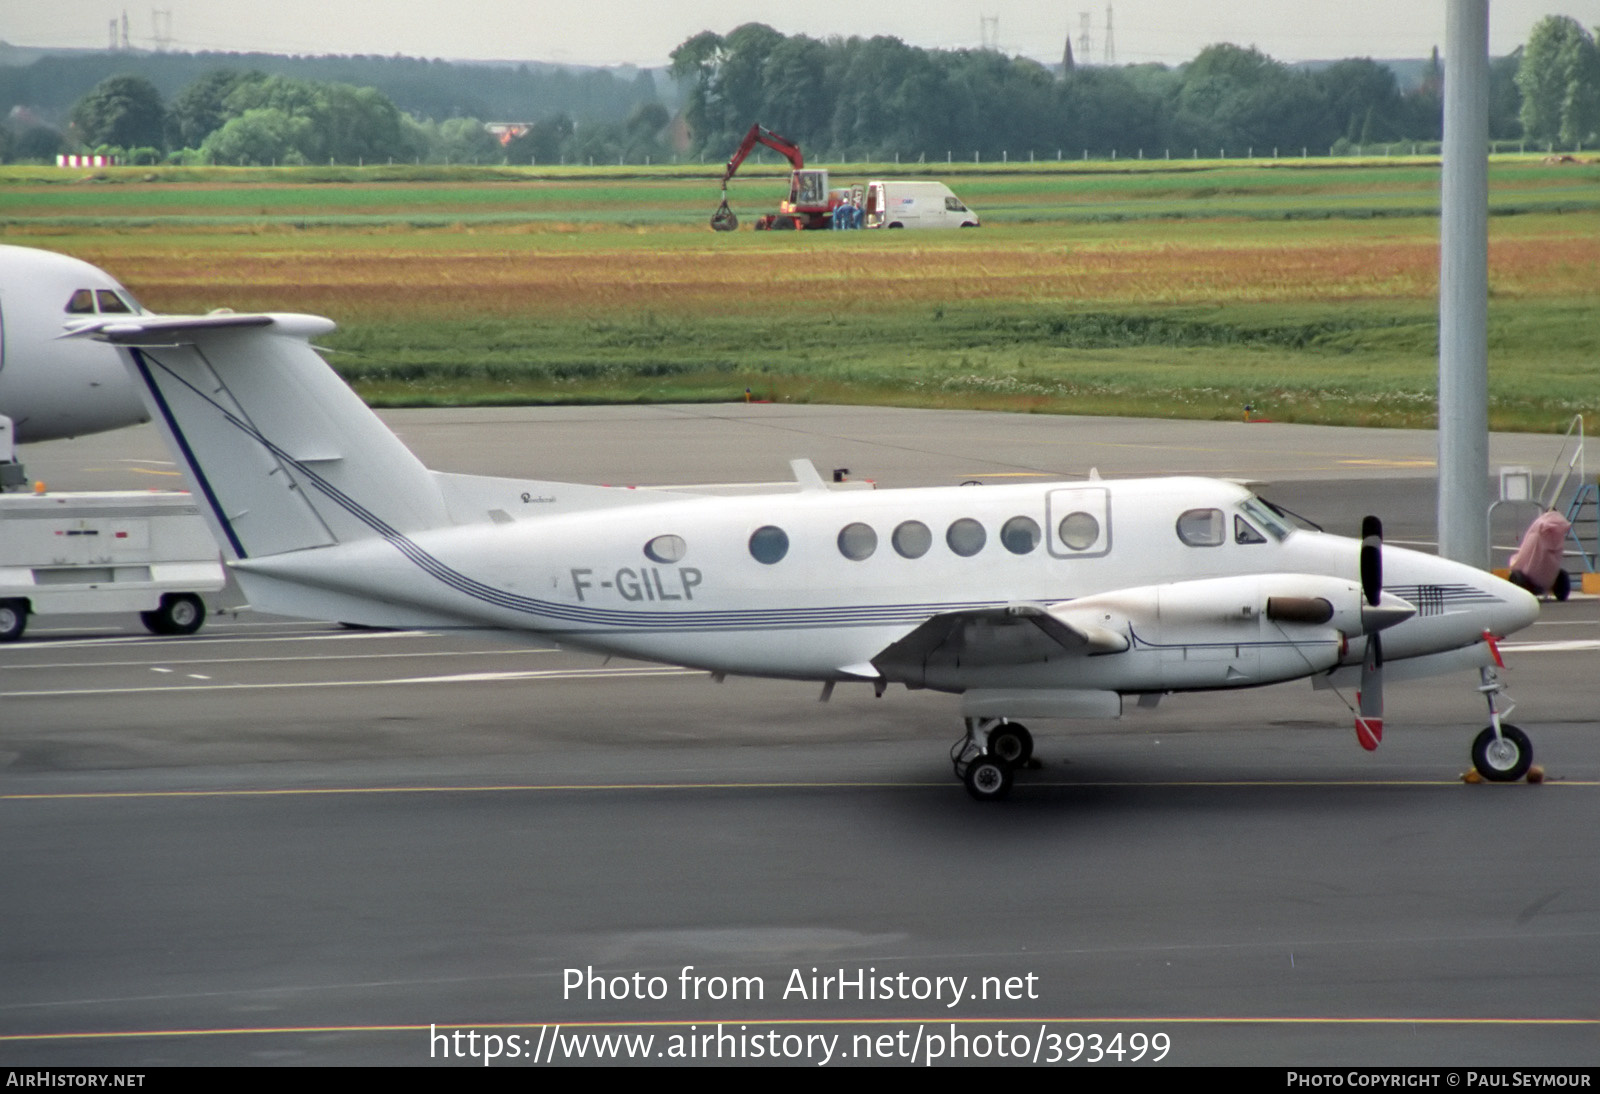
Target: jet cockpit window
1244	533
857	541
769	544
104	301
1202	528
1263	516
111	303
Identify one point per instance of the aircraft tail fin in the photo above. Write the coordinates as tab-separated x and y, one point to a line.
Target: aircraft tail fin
284	454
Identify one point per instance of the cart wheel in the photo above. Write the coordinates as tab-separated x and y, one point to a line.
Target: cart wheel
13	619
180	613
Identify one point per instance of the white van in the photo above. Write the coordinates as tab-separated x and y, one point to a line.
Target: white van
123	551
895	204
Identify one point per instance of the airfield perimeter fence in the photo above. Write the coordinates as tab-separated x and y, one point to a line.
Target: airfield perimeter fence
1340	150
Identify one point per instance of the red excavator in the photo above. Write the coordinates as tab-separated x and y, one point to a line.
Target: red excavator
810	203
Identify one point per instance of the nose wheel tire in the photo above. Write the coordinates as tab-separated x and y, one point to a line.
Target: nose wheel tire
988	779
1504	759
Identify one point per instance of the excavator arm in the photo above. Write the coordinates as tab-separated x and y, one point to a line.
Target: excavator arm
724	220
760	134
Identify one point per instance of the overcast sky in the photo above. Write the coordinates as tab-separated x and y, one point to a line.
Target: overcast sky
645	32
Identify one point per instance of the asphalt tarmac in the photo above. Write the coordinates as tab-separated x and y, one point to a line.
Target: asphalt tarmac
287	843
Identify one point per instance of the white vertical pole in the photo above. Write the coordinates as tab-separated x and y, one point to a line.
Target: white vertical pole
1464	287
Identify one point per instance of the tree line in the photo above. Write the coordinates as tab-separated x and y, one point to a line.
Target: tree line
839	98
877	98
247	117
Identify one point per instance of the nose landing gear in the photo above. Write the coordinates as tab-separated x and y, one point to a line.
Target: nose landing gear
1502	753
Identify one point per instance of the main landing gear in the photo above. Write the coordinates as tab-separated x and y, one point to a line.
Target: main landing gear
985	758
1502	753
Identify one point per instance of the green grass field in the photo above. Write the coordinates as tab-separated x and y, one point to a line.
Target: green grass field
1163	288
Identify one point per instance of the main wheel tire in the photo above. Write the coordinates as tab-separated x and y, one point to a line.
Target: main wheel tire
1502	760
988	779
180	613
13	619
1561	587
1011	743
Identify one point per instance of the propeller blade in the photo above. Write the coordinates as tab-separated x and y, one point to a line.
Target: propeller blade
1369	720
1371	559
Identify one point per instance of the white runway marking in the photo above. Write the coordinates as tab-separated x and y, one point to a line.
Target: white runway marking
1572	645
474	677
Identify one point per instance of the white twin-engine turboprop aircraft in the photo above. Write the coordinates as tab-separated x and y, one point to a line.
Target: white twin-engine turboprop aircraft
1052	601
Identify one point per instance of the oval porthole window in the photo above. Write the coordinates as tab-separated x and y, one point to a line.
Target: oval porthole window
966	537
664	549
1020	535
769	544
912	539
1079	530
857	541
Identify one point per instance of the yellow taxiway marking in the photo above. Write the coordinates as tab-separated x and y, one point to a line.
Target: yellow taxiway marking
1380	462
940	1020
1188	784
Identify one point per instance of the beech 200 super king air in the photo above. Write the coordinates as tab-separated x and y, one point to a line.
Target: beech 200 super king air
1055	601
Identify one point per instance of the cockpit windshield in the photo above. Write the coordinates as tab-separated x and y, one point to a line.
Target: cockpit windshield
103	301
1264	517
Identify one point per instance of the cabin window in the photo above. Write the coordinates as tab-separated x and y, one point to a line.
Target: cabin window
665	549
1020	535
912	539
857	541
82	303
953	205
1202	528
769	544
966	537
1243	532
1079	530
